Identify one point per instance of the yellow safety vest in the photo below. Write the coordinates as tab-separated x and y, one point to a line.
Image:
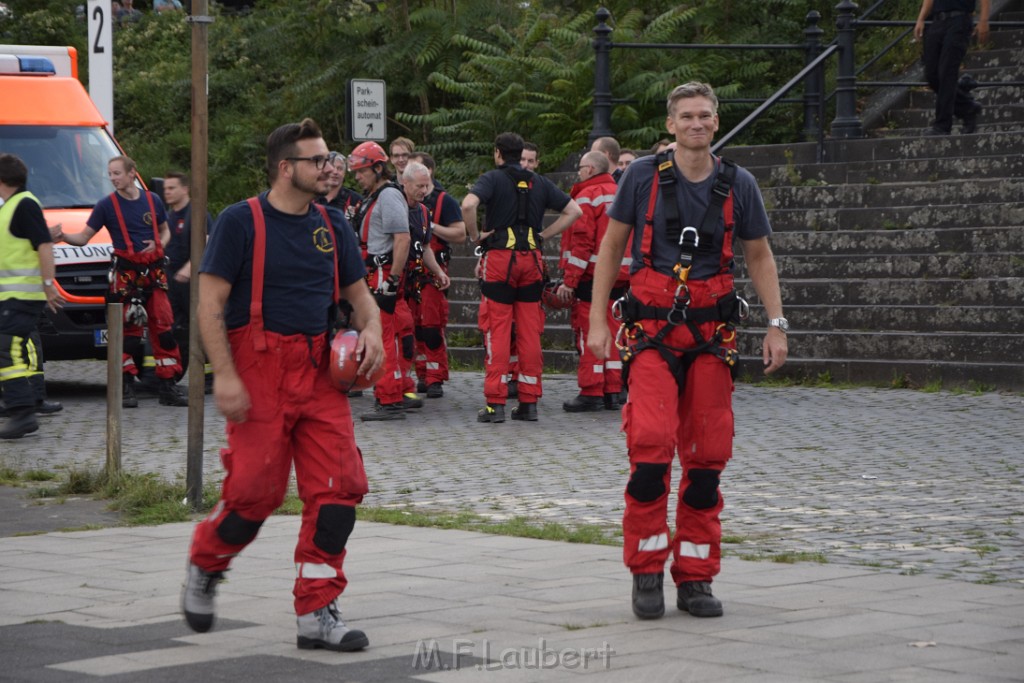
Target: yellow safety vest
20	277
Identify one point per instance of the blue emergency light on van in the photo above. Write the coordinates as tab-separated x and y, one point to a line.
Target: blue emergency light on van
36	65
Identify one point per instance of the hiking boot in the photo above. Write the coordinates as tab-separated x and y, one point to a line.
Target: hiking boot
22	421
611	401
388	411
971	121
171	396
128	398
421	386
935	131
492	412
525	411
513	388
324	628
695	597
411	401
355	393
435	390
197	597
45	407
648	596
583	404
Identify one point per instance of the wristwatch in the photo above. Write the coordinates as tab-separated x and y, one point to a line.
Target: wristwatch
48	283
780	323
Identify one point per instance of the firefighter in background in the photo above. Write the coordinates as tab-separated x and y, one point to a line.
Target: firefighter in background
382	223
512	272
423	272
678	213
600	380
447	228
137	223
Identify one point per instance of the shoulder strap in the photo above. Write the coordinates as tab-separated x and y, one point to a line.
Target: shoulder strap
334	243
259	262
720	189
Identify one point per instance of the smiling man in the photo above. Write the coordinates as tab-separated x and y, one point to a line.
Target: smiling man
679	213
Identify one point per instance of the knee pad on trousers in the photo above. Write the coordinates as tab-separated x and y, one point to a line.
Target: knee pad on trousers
236	530
334	524
408	346
648	482
702	493
430	336
167	341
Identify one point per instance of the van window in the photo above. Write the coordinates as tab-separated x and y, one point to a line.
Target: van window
67	166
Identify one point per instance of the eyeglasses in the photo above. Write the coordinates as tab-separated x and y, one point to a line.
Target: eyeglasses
399	155
319	160
583	166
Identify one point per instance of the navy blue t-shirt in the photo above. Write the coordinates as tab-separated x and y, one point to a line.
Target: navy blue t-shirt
298	286
179	249
633	197
28	221
498	191
137	218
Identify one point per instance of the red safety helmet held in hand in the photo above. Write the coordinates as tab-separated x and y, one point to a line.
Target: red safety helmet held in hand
550	298
365	155
344	370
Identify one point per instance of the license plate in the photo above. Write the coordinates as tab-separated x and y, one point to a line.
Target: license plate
99	337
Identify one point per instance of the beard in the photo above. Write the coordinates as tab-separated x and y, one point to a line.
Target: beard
316	187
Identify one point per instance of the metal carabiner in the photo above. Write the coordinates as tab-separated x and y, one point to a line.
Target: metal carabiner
731	330
479	251
744	307
617	308
696	236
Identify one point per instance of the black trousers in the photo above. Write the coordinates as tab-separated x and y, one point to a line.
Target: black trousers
21	357
945	46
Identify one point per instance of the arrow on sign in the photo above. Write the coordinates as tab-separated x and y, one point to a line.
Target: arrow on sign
369	129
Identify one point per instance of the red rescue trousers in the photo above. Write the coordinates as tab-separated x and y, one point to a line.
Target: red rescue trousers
431	317
595	377
389	389
405	328
659	422
297	418
126	279
511	289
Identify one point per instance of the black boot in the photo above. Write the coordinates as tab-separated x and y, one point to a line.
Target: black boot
695	597
128	398
648	596
22	421
170	395
525	411
583	404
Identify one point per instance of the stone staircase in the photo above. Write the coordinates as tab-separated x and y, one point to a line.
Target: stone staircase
901	262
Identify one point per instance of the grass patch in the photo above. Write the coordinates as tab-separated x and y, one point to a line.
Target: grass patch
522	527
785	557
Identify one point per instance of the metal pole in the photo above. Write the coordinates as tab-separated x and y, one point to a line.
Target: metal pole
812	89
200	139
115	387
846	124
602	77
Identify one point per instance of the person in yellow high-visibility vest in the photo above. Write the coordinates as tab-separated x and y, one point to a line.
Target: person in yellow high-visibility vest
26	285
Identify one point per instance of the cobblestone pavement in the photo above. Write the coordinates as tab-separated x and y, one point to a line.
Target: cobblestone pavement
909	481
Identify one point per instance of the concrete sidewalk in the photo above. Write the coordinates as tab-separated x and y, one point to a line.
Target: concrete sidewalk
461	606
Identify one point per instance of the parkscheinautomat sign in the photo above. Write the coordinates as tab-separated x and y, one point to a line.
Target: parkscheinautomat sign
367	110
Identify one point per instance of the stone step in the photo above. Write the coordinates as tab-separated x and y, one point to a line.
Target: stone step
988	95
983	128
896	170
936	216
922	240
995	58
879	149
973	191
909	118
966	266
1005	38
949	291
978	319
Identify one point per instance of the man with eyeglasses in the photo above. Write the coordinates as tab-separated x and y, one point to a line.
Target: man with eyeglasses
273	274
401	150
599	380
339	196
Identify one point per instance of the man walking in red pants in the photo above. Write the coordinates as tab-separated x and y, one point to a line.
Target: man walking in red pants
512	272
273	274
678	213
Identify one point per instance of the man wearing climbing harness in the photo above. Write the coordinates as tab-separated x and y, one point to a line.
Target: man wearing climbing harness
382	223
679	213
272	277
511	271
137	223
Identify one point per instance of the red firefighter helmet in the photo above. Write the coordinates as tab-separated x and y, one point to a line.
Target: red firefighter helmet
366	154
550	298
344	370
